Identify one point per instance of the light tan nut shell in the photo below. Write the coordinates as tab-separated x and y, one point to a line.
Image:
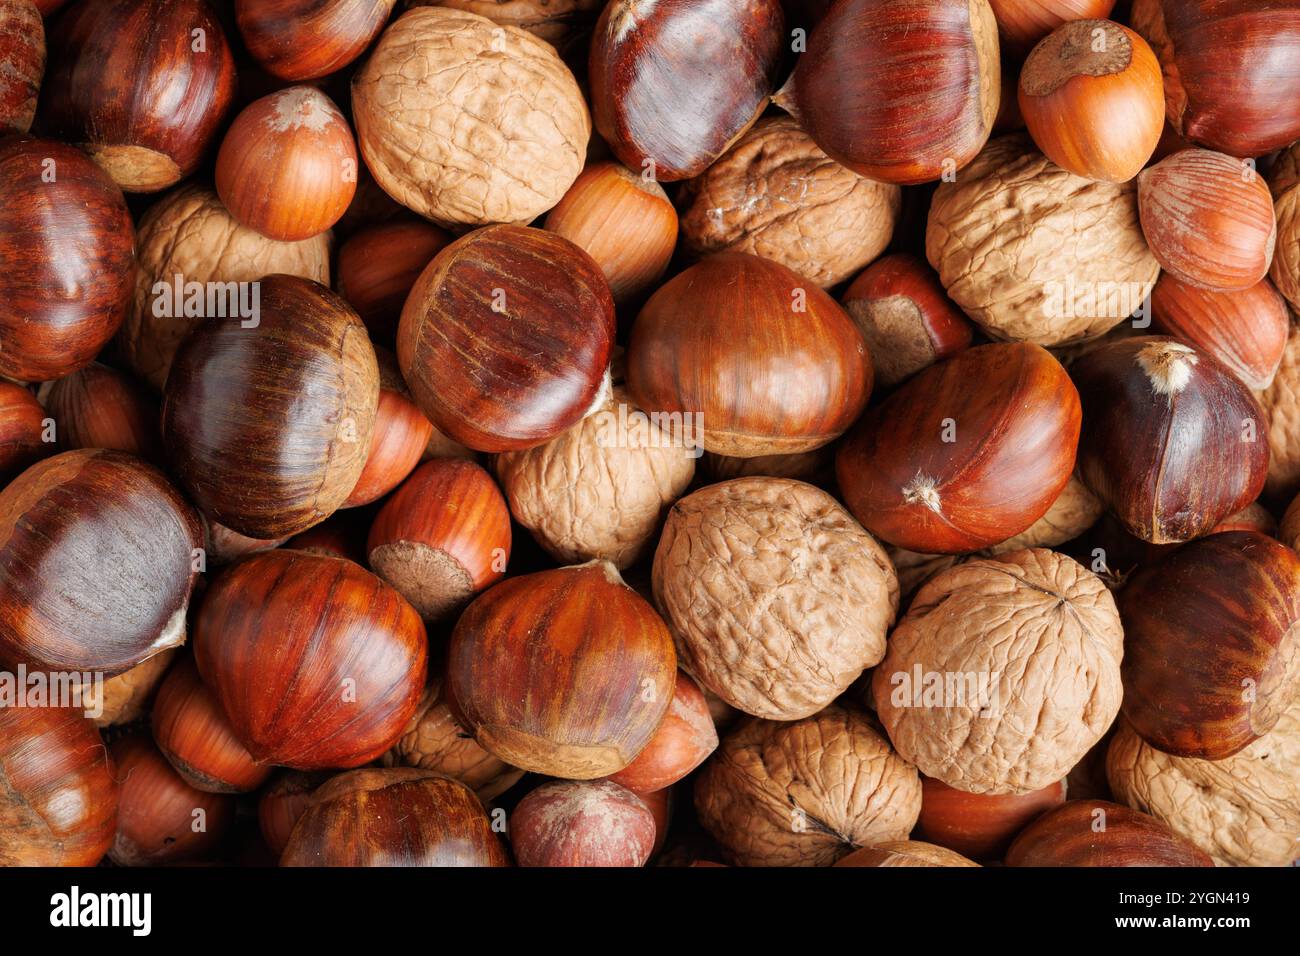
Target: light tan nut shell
1243	811
469	123
190	233
600	489
1281	403
776	597
1075	510
776	195
806	793
1040	636
1284	181
1015	233
128	695
905	853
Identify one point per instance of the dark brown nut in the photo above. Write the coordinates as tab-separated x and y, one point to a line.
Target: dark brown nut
777	598
1100	833
22	64
905	853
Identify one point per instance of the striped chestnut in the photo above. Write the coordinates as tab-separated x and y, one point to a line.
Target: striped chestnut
22	430
306	39
400	435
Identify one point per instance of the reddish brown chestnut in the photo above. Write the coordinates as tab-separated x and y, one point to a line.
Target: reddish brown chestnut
316	662
377	267
49	6
99	407
97	561
67	244
582	823
305	39
262	460
675	82
143	85
759	358
980	825
1156	414
22	64
683	741
283	802
566	672
397	817
966	454
1100	833
902	91
397	443
1212	644
23	431
505	339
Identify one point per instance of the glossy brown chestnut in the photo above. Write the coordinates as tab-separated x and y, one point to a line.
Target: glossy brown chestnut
683	741
566	672
1212	644
283	802
316	662
1022	23
505	339
397	443
443	537
261	459
22	64
762	359
397	817
196	738
99	407
966	454
582	823
96	563
714	61
161	819
142	85
305	39
1232	79
980	825
58	794
67	244
1100	833
22	431
1245	330
906	317
902	91
377	267
1156	413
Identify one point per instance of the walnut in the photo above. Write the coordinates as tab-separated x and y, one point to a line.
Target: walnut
907	853
1285	183
1075	510
776	597
1281	403
565	24
189	233
775	194
600	489
1034	253
469	123
1243	811
1003	672
1288	532
806	793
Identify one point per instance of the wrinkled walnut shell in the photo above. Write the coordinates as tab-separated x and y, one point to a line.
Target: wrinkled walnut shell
905	853
1281	403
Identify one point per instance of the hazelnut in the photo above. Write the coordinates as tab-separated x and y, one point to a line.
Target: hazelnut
806	793
1003	672
905	853
377	267
22	64
775	194
582	823
980	825
777	598
683	741
1022	23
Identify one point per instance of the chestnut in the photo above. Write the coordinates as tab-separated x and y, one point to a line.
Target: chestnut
96	563
566	672
195	737
675	82
683	741
288	165
47	7
1210	635
762	359
305	39
143	85
283	802
901	91
1100	833
1091	96
443	537
58	792
967	453
980	825
316	662
377	267
505	339
399	438
22	64
264	461
397	817
99	407
1172	442
68	250
582	823
23	430
1022	23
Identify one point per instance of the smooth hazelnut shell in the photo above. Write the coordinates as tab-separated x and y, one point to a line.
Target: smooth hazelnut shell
566	672
514	378
22	431
1015	420
125	82
1022	23
97	552
261	460
72	233
673	83
22	64
582	823
1212	644
724	339
980	825
378	265
99	407
316	662
1067	836
397	817
399	438
58	790
305	39
683	741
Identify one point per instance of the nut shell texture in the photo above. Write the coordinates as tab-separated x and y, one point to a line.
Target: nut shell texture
1281	402
582	823
1035	641
468	123
22	64
777	598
